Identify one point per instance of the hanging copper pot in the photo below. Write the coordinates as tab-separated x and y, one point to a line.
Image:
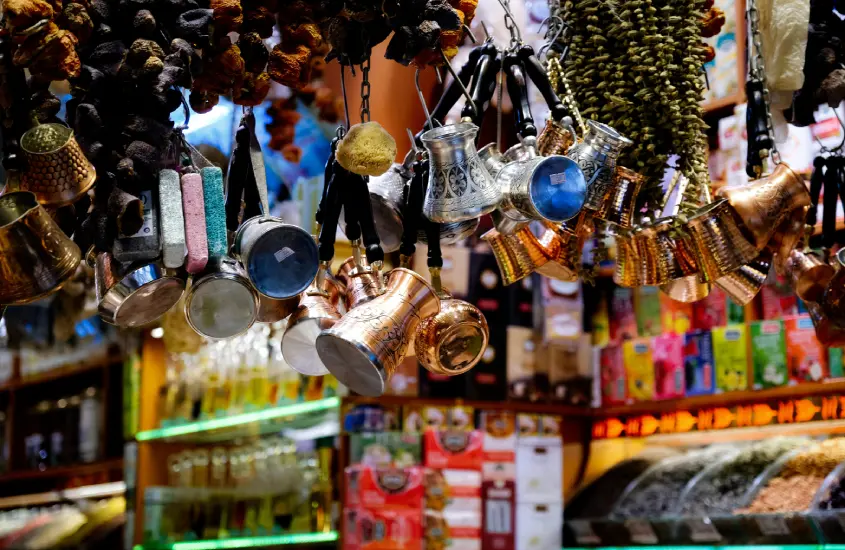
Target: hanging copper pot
618	202
627	272
57	171
809	275
663	256
720	242
828	333
833	301
36	257
687	289
452	341
518	254
555	242
361	281
743	284
555	139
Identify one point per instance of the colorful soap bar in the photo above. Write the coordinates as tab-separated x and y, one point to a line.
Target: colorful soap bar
196	239
215	211
172	219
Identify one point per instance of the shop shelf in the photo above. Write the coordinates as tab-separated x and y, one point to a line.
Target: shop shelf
75	470
310	419
245	542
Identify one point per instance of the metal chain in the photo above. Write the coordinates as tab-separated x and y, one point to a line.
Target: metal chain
365	90
510	24
757	69
555	72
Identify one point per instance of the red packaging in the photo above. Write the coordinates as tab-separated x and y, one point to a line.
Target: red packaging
667	352
614	382
368	487
778	299
712	311
454	449
806	358
623	319
382	529
498	515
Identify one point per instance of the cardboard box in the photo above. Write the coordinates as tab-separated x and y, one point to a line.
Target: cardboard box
385	449
539	526
569	364
834	362
623	321
455	274
388	488
647	310
712	311
639	369
382	529
777	298
614	380
676	317
539	469
768	354
440	385
522	364
499	515
699	368
806	357
668	355
454	449
730	352
488	381
486	290
521	302
499	428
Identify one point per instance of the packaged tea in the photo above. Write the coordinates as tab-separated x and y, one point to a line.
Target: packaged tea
623	322
614	382
730	351
806	357
699	372
639	369
668	355
676	317
647	310
768	354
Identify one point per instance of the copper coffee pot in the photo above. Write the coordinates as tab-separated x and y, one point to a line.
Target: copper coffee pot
809	274
743	284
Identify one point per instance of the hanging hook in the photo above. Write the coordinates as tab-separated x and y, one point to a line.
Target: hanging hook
343	91
459	81
469	33
422	99
487	35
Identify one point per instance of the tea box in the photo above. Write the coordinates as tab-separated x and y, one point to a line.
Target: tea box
639	369
668	355
614	382
768	354
806	357
730	353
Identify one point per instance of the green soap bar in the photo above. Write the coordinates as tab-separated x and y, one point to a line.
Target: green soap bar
215	211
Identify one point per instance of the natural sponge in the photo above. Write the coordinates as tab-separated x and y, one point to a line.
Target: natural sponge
367	149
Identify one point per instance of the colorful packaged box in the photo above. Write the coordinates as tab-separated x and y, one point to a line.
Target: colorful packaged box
778	298
676	317
834	363
806	357
712	311
623	321
396	488
647	310
385	449
667	352
639	369
699	371
768	354
382	529
454	449
730	352
498	514
614	381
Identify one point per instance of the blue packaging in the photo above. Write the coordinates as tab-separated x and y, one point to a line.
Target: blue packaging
698	363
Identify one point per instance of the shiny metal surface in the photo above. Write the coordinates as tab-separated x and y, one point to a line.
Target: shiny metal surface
627	270
459	185
57	170
554	139
808	274
833	302
137	297
662	255
271	310
454	340
687	289
743	284
451	233
542	188
617	204
556	243
36	257
221	302
600	148
720	244
280	259
363	349
518	254
492	158
386	197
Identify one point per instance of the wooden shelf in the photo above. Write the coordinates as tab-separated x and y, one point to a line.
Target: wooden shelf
61	372
515	406
64	471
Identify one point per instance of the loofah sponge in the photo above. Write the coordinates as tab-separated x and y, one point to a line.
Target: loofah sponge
367	149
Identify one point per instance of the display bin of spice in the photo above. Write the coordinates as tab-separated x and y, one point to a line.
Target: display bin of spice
709	499
648	506
828	511
776	508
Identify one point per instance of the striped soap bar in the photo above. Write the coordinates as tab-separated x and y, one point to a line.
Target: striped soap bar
171	218
215	211
195	237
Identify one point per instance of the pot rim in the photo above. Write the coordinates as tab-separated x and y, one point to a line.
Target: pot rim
15	195
449	132
67	139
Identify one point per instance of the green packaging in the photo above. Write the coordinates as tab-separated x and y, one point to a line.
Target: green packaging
768	354
736	312
647	310
835	360
730	352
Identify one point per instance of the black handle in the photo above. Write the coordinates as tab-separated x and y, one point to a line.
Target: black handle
483	84
328	230
538	76
756	127
432	233
236	176
327	176
518	92
351	215
816	181
369	234
412	210
830	196
252	200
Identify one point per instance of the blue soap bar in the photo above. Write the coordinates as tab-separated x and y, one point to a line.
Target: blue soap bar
215	211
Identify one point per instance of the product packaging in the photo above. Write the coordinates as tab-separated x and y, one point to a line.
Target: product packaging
623	321
806	357
676	317
712	311
777	298
639	369
699	370
385	449
488	379
834	362
539	526
525	381
647	310
614	381
730	352
768	354
668	356
569	364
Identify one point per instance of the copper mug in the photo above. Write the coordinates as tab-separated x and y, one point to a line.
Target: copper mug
828	333
719	240
764	204
663	256
57	171
556	138
518	254
362	281
454	340
833	301
786	237
627	271
317	312
687	289
364	348
36	257
743	284
809	275
556	241
616	205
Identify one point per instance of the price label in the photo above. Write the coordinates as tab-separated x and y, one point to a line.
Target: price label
641	531
702	530
583	531
773	526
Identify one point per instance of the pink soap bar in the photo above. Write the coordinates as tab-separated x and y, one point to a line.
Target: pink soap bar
196	240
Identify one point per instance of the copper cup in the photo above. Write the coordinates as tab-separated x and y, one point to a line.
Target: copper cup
718	240
764	204
363	349
361	281
662	256
57	170
36	257
555	242
809	275
828	333
518	254
454	340
555	139
743	284
687	289
317	312
833	302
617	204
786	238
627	272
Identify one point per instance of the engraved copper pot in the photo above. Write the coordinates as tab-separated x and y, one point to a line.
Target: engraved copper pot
598	150
808	274
363	349
555	242
743	284
492	158
764	204
687	289
833	302
663	257
459	185
617	205
361	281
454	340
518	254
786	237
627	271
555	139
317	312
828	333
36	257
57	170
718	239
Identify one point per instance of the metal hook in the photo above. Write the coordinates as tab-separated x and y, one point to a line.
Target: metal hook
487	35
422	99
514	28
459	81
469	33
439	76
343	91
561	27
